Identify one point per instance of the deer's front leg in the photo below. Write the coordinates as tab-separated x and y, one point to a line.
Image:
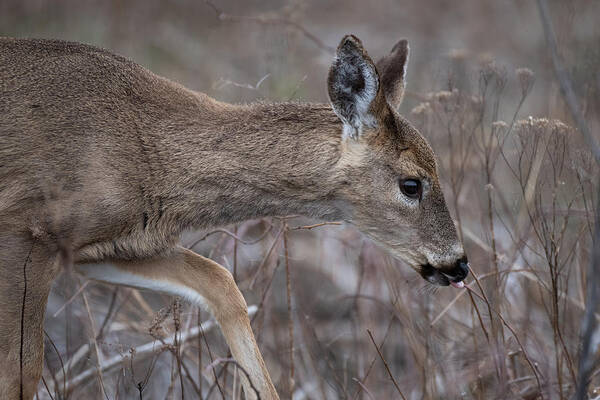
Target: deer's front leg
202	281
27	270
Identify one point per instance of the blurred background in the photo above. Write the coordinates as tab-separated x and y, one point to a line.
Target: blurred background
517	177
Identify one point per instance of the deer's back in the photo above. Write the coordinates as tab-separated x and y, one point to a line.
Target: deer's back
76	132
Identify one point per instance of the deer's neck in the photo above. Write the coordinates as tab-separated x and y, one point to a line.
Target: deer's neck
224	163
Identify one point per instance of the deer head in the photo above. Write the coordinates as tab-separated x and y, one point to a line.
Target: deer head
391	186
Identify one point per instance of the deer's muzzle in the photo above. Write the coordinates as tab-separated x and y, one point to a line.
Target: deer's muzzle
446	275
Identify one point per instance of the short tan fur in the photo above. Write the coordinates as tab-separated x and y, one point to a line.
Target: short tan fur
103	164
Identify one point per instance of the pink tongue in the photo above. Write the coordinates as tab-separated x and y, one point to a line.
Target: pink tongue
458	285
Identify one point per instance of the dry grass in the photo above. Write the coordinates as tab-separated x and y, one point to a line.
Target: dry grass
334	316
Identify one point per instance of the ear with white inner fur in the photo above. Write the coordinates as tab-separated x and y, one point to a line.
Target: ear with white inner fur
392	71
353	84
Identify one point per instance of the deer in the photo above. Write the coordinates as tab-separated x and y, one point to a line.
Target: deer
104	164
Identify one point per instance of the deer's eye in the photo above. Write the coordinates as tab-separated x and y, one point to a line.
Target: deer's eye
411	188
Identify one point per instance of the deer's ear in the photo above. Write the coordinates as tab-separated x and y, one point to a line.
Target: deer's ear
353	84
392	70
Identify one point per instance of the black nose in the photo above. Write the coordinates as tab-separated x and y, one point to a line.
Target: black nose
459	271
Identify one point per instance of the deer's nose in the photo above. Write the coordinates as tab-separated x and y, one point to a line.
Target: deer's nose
459	271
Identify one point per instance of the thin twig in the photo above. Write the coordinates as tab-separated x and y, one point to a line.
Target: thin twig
47	389
71	298
587	358
189	377
233	235
218	361
315	225
366	375
265	258
221	83
531	364
272	21
589	324
62	365
146	350
364	388
386	365
210	355
289	309
95	342
176	350
565	81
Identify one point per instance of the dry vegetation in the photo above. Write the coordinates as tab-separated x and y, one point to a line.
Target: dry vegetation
334	316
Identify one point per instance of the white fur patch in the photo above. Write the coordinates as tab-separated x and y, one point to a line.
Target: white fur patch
353	154
109	273
407	201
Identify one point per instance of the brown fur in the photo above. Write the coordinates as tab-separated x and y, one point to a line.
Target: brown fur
103	161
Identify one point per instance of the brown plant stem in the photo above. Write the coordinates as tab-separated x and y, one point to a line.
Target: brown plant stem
387	368
587	359
288	283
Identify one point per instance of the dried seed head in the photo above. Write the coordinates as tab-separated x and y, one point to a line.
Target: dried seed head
422	109
458	54
443	96
446	101
177	313
156	329
537	128
526	80
490	73
488	68
499	126
475	104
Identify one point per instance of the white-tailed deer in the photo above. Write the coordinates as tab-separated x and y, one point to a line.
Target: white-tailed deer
103	164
